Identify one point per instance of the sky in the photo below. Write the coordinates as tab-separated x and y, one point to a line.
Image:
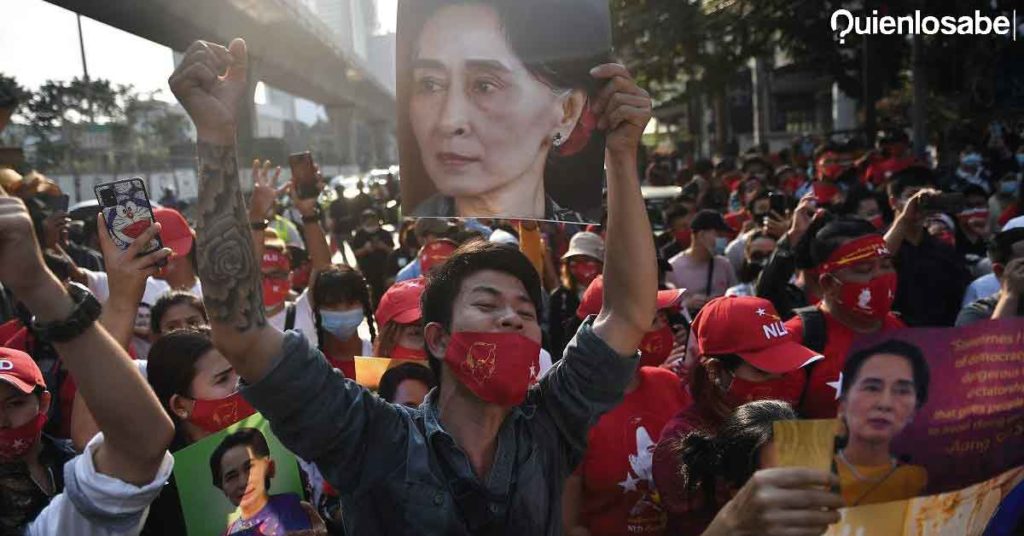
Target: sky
40	43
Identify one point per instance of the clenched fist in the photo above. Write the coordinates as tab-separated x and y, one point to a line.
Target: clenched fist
210	83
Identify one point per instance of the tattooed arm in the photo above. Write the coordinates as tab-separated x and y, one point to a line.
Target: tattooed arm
232	282
210	83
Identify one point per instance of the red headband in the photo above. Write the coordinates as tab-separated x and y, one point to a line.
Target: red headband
857	250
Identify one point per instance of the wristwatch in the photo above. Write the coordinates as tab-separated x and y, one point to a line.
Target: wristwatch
259	225
85	311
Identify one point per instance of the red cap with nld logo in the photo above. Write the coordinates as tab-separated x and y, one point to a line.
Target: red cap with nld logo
752	329
19	370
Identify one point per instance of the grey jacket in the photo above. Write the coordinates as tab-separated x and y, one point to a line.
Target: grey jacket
384	459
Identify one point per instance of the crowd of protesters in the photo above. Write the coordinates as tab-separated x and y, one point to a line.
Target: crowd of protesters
554	378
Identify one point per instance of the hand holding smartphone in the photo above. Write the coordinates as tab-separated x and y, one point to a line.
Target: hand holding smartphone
304	175
128	212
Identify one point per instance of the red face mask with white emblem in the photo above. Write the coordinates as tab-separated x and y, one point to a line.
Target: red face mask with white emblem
656	346
15	442
496	367
585	271
216	415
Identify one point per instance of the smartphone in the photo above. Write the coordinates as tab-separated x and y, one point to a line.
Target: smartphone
128	213
778	203
304	175
947	203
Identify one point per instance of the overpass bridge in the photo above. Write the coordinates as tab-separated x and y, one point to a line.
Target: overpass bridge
290	48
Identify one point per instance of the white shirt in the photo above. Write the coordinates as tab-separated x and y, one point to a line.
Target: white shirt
94	504
155	289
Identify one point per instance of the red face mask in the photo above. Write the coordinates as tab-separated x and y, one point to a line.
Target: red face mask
825	192
300	276
275	291
215	415
877	221
656	346
15	442
683	237
872	300
947	236
788	389
408	354
585	271
496	367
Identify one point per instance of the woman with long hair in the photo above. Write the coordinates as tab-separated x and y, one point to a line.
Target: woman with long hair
746	354
714	465
340	302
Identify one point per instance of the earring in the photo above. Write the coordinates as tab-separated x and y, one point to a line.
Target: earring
558	140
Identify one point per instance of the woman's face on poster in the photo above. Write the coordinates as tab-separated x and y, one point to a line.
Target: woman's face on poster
480	118
882	399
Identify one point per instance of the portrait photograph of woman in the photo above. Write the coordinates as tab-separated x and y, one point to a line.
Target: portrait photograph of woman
494	108
883	387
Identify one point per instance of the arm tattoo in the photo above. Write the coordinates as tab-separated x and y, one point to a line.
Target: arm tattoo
232	280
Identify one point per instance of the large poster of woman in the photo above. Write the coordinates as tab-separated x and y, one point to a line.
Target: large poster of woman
494	113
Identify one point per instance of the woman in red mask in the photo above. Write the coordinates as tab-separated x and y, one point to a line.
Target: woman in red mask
401	322
858	285
746	354
581	264
198	388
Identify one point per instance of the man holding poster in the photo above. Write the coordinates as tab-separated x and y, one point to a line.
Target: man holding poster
485	452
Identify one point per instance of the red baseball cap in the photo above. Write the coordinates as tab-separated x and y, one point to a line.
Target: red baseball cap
174	231
436	252
18	369
401	303
752	329
593	298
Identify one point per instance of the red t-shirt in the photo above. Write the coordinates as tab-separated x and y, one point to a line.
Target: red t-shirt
618	490
735	220
820	400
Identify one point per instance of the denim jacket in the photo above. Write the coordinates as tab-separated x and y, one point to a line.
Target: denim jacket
383	458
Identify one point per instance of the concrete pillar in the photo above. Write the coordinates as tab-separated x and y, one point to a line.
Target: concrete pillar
247	118
342	118
381	137
761	89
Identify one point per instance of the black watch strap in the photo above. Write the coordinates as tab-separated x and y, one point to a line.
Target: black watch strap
312	218
259	225
84	313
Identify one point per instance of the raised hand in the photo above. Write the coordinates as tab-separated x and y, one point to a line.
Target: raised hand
264	189
127	272
210	83
622	107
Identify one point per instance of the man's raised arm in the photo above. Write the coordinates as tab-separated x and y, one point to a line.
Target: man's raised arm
210	84
630	269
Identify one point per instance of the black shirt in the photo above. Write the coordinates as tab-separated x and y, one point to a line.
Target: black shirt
932	280
373	264
21	500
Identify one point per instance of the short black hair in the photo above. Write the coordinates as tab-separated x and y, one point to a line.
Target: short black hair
249	437
394	377
912	177
1000	249
177	297
675	212
445	281
906	350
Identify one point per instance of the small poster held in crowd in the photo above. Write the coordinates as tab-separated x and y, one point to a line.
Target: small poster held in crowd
242	481
495	111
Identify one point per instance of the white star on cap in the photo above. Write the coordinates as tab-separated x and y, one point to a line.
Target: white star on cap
629	484
761	312
837	385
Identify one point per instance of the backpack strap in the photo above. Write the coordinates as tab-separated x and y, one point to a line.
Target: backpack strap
289	316
815	336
